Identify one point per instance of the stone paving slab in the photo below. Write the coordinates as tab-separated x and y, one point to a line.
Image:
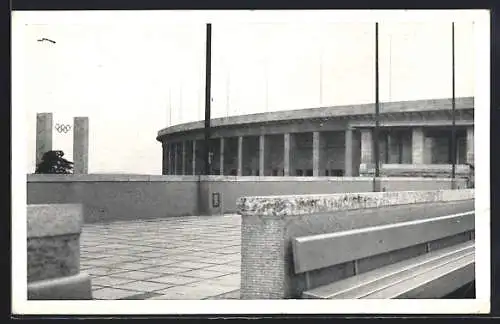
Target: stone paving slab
193	257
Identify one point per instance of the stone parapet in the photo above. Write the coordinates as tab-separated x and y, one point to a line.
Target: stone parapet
53	241
108	178
309	204
270	223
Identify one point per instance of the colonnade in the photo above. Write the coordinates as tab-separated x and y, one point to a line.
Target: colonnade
308	154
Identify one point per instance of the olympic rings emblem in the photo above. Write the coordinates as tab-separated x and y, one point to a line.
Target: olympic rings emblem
62	128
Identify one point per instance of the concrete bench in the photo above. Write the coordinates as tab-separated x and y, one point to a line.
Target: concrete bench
434	274
54	253
360	236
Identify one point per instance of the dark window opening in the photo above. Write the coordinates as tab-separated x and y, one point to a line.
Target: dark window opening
336	173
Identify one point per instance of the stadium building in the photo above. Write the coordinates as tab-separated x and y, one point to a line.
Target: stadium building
415	139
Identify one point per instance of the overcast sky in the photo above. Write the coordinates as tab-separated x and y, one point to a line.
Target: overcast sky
133	79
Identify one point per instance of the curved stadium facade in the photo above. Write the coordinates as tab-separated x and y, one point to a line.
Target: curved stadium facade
415	139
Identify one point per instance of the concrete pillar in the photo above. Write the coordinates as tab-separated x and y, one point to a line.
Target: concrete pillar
470	145
428	144
174	145
240	156
43	135
316	153
366	146
262	154
349	147
221	156
286	154
417	147
81	145
170	164
164	162
183	157
169	158
193	166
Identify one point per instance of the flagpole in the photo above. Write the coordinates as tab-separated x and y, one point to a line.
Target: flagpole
390	67
227	91
180	101
453	126
320	71
208	97
377	113
266	76
169	104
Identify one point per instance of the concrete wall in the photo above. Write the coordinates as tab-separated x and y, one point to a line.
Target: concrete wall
125	197
231	188
118	197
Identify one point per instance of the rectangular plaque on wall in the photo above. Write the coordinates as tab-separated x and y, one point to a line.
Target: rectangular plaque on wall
215	199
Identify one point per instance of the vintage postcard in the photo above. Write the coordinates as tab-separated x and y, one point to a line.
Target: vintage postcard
251	162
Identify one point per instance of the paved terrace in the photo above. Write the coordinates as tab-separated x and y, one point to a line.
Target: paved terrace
194	257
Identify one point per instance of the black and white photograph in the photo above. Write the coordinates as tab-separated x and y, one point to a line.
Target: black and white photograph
196	158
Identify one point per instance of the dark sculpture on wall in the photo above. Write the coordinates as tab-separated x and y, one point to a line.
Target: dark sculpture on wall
54	163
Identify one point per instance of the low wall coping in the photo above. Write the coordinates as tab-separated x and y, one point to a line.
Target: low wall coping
279	206
425	167
464	168
56	178
108	178
54	219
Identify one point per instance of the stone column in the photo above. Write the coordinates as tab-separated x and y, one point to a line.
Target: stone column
286	154
221	156
175	158
240	156
262	154
428	144
43	135
417	147
193	162
184	157
169	158
171	151
81	145
349	146
470	145
316	153
164	162
366	146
